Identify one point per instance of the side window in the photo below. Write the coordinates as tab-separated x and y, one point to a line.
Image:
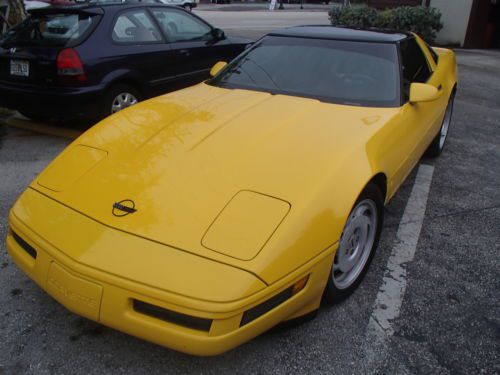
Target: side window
433	53
414	64
180	26
135	27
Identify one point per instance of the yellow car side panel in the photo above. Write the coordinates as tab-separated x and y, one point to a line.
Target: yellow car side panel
201	243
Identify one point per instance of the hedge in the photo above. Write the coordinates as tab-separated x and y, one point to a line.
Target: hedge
424	21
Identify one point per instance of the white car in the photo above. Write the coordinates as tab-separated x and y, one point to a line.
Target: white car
186	4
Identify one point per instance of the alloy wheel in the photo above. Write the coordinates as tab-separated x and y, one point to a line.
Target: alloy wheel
356	244
123	100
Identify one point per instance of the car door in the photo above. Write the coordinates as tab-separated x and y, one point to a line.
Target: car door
418	120
192	42
140	48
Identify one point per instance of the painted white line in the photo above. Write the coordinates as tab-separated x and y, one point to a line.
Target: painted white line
387	305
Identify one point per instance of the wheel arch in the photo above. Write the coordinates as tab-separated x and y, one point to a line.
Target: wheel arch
126	81
124	77
380	181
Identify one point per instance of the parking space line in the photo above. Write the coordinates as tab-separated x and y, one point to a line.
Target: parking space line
390	296
20	122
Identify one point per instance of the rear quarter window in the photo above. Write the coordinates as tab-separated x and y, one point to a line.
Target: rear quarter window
59	29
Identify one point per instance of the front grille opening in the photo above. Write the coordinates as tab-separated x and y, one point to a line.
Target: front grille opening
24	245
170	316
271	303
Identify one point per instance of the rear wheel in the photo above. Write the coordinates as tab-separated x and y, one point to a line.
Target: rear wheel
437	145
357	245
120	97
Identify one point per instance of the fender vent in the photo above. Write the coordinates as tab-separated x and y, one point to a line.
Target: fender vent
170	316
24	245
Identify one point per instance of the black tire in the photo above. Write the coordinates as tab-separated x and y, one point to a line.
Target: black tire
334	294
35	116
437	145
111	95
187	7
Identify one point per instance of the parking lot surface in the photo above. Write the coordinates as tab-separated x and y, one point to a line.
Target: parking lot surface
446	321
254	24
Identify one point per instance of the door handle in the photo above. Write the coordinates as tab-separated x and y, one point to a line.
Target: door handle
185	52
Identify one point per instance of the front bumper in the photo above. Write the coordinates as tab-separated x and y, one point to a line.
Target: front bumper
111	300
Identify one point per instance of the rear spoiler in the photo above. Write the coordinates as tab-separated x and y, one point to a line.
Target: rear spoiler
79	9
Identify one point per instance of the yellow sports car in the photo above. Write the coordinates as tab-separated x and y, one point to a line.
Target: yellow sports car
199	219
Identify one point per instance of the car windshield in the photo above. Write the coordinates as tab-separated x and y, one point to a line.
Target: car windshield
334	71
50	29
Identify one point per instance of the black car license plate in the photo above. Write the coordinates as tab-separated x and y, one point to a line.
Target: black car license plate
20	68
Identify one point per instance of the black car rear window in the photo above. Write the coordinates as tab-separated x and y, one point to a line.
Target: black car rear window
335	71
50	29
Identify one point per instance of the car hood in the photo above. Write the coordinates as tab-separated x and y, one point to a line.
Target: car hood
214	172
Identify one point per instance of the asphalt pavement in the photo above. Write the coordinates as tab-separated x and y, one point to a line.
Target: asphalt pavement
449	318
255	23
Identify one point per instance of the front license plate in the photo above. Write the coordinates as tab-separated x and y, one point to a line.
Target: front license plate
20	68
78	295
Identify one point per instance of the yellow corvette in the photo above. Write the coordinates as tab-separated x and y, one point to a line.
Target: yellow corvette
199	219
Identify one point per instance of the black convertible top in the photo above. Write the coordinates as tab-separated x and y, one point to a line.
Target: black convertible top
343	33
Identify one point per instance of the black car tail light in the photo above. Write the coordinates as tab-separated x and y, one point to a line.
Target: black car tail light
24	245
70	67
200	324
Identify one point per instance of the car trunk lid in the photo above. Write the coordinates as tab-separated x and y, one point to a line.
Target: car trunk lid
28	52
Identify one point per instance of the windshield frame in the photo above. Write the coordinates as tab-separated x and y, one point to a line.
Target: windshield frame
395	103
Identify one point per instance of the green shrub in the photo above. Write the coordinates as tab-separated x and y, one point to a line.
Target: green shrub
356	16
421	20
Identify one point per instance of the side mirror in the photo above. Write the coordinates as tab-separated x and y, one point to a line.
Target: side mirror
218	34
217	68
422	92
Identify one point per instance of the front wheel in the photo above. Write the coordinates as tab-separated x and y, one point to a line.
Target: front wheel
437	145
357	245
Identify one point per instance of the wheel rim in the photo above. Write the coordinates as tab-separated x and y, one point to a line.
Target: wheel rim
446	124
123	100
356	244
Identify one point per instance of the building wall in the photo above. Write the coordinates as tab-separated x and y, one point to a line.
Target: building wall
455	18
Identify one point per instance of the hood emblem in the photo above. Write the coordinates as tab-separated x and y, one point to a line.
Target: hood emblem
124	207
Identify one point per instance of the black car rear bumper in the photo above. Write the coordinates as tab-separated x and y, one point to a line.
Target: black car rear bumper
56	102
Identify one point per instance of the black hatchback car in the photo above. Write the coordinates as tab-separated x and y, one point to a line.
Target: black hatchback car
95	59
